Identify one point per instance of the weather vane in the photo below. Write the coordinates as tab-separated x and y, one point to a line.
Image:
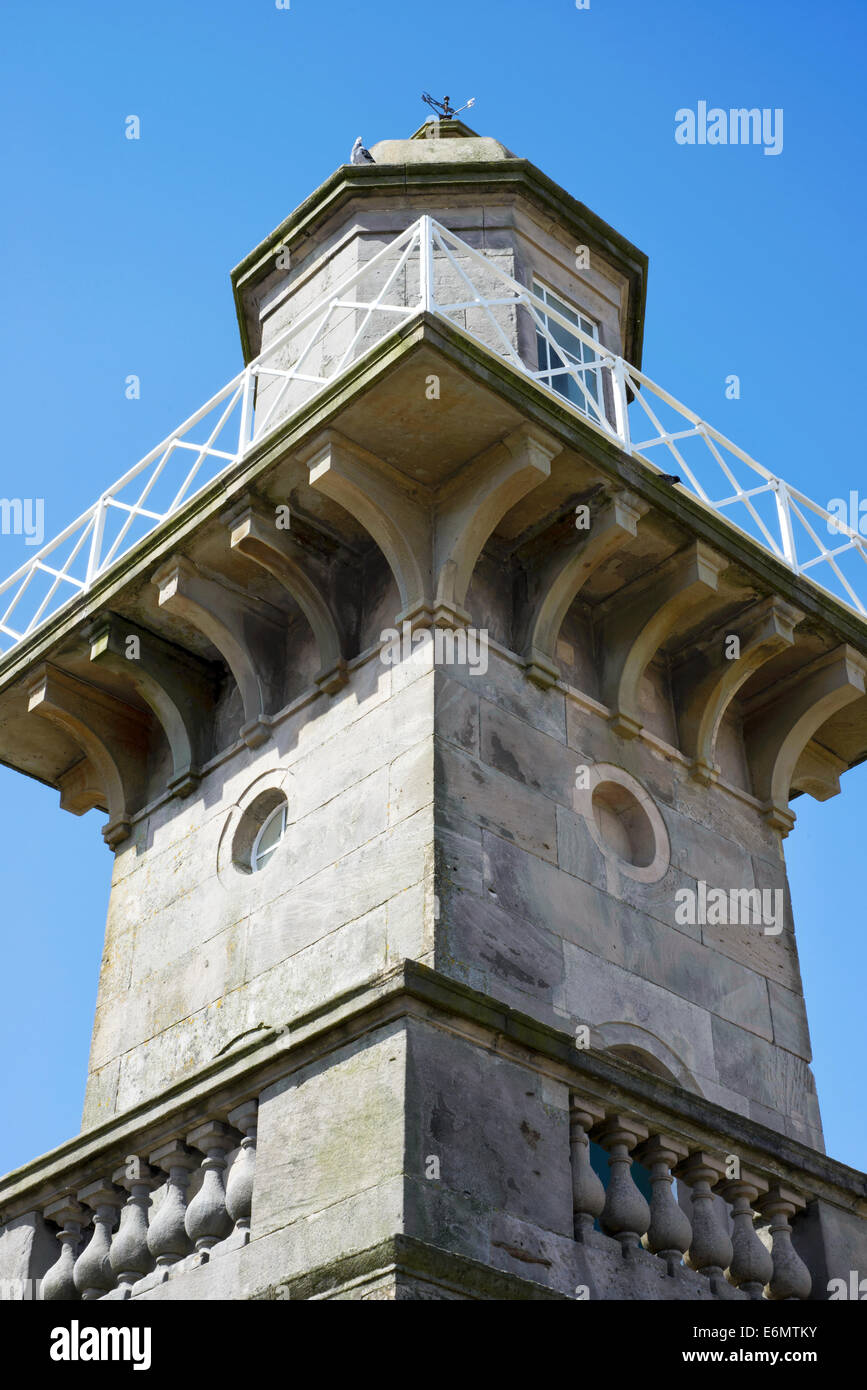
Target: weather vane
444	109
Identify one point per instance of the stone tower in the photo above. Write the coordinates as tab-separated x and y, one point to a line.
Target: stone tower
447	744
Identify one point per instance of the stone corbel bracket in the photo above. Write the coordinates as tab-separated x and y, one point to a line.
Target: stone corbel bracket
81	789
431	541
566	572
818	771
470	505
641	618
763	631
781	723
390	509
179	688
253	532
113	735
250	642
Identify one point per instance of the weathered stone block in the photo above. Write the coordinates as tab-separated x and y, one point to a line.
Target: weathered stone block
526	755
495	802
789	1018
512	959
639	1014
495	1133
331	1133
771	1076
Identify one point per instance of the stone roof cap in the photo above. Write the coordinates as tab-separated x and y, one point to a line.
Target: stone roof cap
440	142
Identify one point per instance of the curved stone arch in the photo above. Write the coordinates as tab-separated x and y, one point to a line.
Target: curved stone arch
564	575
431	539
253	534
395	520
635	628
792	746
174	684
469	509
644	1049
763	632
239	631
107	767
779	735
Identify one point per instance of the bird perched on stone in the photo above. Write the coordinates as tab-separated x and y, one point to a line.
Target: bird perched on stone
671	478
360	155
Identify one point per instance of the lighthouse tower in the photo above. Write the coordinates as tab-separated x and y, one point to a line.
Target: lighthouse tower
446	686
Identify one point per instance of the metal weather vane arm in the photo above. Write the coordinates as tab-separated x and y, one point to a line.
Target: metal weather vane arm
444	108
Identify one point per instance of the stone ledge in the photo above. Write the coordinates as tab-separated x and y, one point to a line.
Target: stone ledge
415	990
404	1257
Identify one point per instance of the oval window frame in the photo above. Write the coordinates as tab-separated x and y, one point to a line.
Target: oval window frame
598	775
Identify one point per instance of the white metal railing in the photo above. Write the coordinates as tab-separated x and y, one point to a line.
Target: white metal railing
428	268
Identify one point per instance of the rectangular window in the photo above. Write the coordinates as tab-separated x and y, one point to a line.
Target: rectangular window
561	367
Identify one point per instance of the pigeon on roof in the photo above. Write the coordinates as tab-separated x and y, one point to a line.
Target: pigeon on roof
360	155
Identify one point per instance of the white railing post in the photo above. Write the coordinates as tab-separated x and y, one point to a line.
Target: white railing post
245	432
621	416
425	246
784	515
95	543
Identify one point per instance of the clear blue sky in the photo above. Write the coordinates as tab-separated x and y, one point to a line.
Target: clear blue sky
115	261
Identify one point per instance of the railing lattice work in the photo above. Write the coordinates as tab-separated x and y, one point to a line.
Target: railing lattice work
429	269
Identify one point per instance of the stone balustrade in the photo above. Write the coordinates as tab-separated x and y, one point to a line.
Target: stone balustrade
191	1200
650	1190
126	1232
733	1231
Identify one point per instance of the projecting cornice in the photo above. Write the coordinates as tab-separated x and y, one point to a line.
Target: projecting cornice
514	393
382	501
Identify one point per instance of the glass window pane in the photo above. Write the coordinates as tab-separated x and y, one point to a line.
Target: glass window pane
561	335
573	353
565	309
269	837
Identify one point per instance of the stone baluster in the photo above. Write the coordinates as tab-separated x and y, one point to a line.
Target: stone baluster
208	1221
669	1233
93	1273
588	1190
751	1265
790	1278
130	1257
625	1215
710	1252
239	1187
167	1238
58	1284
